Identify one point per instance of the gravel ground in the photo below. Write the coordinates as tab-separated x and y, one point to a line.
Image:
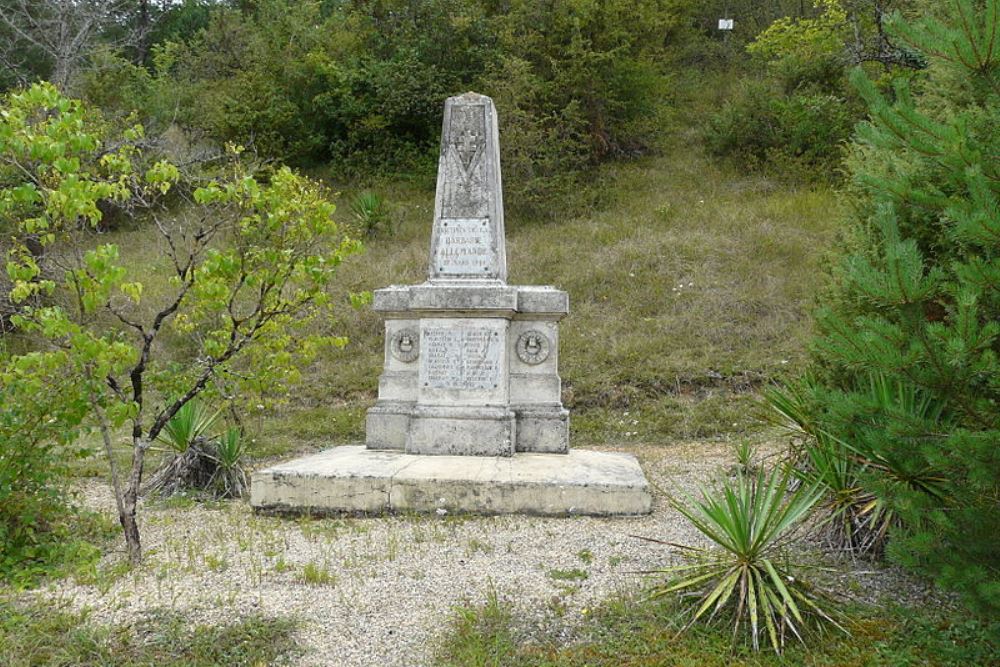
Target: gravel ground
379	591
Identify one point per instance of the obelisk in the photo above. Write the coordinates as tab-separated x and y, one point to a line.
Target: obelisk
467	241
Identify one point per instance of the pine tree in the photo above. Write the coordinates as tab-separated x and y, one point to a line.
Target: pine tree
909	342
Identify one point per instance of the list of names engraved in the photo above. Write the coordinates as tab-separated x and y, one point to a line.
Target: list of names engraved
464	246
460	358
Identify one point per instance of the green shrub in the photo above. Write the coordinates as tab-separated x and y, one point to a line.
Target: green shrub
747	574
848	466
796	119
361	85
41	414
800	135
806	52
746	128
917	302
543	152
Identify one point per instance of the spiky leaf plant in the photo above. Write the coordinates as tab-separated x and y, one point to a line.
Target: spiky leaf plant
857	521
371	211
860	477
745	452
229	479
192	464
748	575
192	420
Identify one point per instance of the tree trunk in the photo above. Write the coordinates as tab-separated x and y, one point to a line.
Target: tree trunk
142	30
130	498
60	72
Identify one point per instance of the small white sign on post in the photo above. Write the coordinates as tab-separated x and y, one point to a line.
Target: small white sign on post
725	24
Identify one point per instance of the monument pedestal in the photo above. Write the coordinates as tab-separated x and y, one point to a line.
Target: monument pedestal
464	430
354	479
469	415
470	369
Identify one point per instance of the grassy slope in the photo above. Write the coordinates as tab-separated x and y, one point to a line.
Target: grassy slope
688	289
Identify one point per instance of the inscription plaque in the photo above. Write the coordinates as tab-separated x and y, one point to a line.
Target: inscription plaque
460	358
464	246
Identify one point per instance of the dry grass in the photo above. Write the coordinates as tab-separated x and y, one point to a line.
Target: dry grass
688	291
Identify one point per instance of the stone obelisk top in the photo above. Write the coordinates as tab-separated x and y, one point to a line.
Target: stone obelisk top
467	243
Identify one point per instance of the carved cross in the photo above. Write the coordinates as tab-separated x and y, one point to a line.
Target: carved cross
468	144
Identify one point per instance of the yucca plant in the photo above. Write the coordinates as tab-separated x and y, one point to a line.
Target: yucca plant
230	448
371	211
889	418
193	420
229	478
745	452
748	575
192	463
859	470
857	520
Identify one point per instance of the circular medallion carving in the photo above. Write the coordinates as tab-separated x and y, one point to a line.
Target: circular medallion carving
533	347
405	345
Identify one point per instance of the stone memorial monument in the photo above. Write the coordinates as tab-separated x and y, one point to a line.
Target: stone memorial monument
469	415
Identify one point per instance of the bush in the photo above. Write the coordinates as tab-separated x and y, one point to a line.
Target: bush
40	416
797	118
543	152
917	302
806	52
249	79
847	467
799	135
361	85
577	84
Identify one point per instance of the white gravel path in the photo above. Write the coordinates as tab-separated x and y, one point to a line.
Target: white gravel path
383	588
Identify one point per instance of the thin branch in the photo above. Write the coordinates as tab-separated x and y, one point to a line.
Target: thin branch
116	485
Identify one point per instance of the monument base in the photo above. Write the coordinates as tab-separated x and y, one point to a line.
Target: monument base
356	479
461	431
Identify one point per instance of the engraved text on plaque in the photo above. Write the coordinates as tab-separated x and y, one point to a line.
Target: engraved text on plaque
460	358
464	246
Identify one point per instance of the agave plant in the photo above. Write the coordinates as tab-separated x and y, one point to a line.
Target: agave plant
371	211
229	478
190	422
747	574
860	472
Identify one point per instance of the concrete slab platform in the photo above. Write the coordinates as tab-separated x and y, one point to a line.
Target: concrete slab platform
356	479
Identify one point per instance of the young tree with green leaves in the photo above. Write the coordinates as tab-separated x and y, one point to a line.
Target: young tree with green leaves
909	351
248	259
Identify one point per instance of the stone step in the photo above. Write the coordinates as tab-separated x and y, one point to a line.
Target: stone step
354	479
